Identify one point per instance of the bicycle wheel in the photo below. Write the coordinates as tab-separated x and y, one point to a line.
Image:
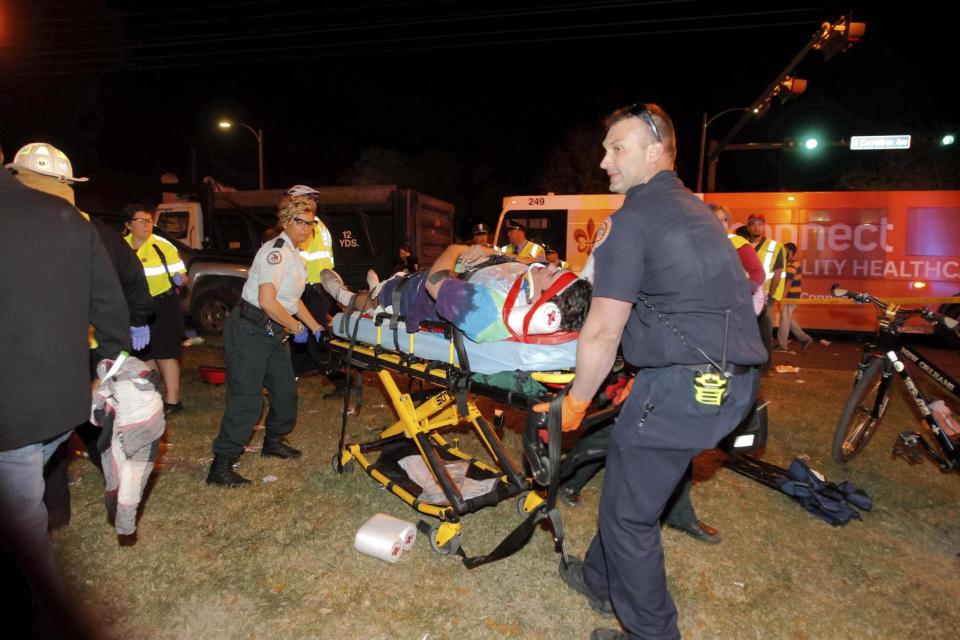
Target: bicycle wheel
862	413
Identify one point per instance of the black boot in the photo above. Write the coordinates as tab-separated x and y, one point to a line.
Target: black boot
222	473
278	448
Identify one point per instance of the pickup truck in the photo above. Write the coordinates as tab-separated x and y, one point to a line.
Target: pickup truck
218	234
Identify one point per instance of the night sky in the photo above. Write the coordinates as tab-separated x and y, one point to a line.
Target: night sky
473	98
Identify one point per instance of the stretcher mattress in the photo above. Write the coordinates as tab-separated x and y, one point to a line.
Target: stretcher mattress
485	357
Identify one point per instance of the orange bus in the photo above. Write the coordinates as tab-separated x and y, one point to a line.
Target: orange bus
894	244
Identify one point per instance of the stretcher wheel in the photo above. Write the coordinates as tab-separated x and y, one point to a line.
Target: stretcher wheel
347	468
450	547
527	502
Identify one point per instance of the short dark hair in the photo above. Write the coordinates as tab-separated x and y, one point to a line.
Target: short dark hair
668	135
132	208
790	247
743	232
574	302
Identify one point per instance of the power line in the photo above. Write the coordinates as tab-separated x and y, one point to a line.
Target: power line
457	45
288	33
208	7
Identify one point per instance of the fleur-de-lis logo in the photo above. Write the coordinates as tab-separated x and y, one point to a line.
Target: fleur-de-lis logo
592	237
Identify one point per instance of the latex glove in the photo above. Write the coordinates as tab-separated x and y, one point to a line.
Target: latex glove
178	279
318	333
140	337
571	414
623	393
301	337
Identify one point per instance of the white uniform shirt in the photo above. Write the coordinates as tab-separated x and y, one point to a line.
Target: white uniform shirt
277	262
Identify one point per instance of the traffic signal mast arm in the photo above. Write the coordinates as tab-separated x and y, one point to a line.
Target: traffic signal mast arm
830	38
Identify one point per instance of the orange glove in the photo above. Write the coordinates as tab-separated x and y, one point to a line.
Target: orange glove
572	413
623	393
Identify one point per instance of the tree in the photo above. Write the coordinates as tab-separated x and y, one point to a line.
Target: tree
573	166
920	168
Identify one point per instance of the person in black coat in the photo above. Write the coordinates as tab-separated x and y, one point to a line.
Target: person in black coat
57	281
141	308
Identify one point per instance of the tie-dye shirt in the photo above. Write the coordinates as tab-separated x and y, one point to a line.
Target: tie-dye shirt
474	306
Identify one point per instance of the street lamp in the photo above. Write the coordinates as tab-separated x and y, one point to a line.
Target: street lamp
703	139
258	134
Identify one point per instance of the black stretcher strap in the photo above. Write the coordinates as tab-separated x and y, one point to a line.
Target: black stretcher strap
519	537
348	371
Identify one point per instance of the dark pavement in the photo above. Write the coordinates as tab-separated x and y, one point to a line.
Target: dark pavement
843	352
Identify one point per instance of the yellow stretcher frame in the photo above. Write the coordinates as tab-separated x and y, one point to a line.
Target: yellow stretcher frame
420	424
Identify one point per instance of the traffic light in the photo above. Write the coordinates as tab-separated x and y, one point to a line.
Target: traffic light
947	140
807	144
838	37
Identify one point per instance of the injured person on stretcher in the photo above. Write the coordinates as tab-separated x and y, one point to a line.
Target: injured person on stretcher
494	298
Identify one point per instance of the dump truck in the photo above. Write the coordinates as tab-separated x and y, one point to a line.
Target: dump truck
219	232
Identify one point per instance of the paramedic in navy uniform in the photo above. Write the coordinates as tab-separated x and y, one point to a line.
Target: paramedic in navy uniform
254	338
663	267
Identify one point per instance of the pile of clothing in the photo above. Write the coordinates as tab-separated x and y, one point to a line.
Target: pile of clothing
835	504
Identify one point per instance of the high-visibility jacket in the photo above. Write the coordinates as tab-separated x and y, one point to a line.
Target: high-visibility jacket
768	251
738	241
317	252
529	250
157	279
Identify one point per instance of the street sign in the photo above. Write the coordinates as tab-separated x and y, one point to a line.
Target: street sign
879	143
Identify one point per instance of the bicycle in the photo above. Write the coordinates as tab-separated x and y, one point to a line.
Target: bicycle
883	356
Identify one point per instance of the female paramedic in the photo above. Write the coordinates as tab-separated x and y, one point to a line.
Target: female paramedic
254	338
165	273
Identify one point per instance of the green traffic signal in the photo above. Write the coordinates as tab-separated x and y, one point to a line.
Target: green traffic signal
947	139
810	144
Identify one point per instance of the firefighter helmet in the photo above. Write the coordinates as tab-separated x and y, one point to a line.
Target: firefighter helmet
45	159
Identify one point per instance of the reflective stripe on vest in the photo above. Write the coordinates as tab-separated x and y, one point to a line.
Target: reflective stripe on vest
768	251
317	253
530	250
157	279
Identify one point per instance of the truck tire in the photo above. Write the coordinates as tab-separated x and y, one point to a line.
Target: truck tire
210	310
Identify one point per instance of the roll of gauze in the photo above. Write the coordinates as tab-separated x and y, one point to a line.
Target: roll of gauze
406	531
382	537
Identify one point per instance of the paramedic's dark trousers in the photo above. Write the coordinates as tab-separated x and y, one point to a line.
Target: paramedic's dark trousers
661	429
255	360
679	511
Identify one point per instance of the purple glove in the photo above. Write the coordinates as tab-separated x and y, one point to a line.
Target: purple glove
318	333
140	337
301	337
178	279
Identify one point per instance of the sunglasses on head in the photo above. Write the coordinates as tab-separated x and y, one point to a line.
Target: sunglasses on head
639	110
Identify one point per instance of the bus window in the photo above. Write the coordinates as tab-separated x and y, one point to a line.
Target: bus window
543	226
933	231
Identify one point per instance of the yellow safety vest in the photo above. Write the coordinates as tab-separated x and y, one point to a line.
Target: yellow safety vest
317	253
767	251
738	241
157	279
530	250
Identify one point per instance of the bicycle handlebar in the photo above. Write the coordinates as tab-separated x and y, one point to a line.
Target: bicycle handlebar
862	298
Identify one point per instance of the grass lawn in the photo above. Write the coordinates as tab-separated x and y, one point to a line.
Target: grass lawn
276	559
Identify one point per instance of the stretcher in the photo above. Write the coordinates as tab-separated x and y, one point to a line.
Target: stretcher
446	365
